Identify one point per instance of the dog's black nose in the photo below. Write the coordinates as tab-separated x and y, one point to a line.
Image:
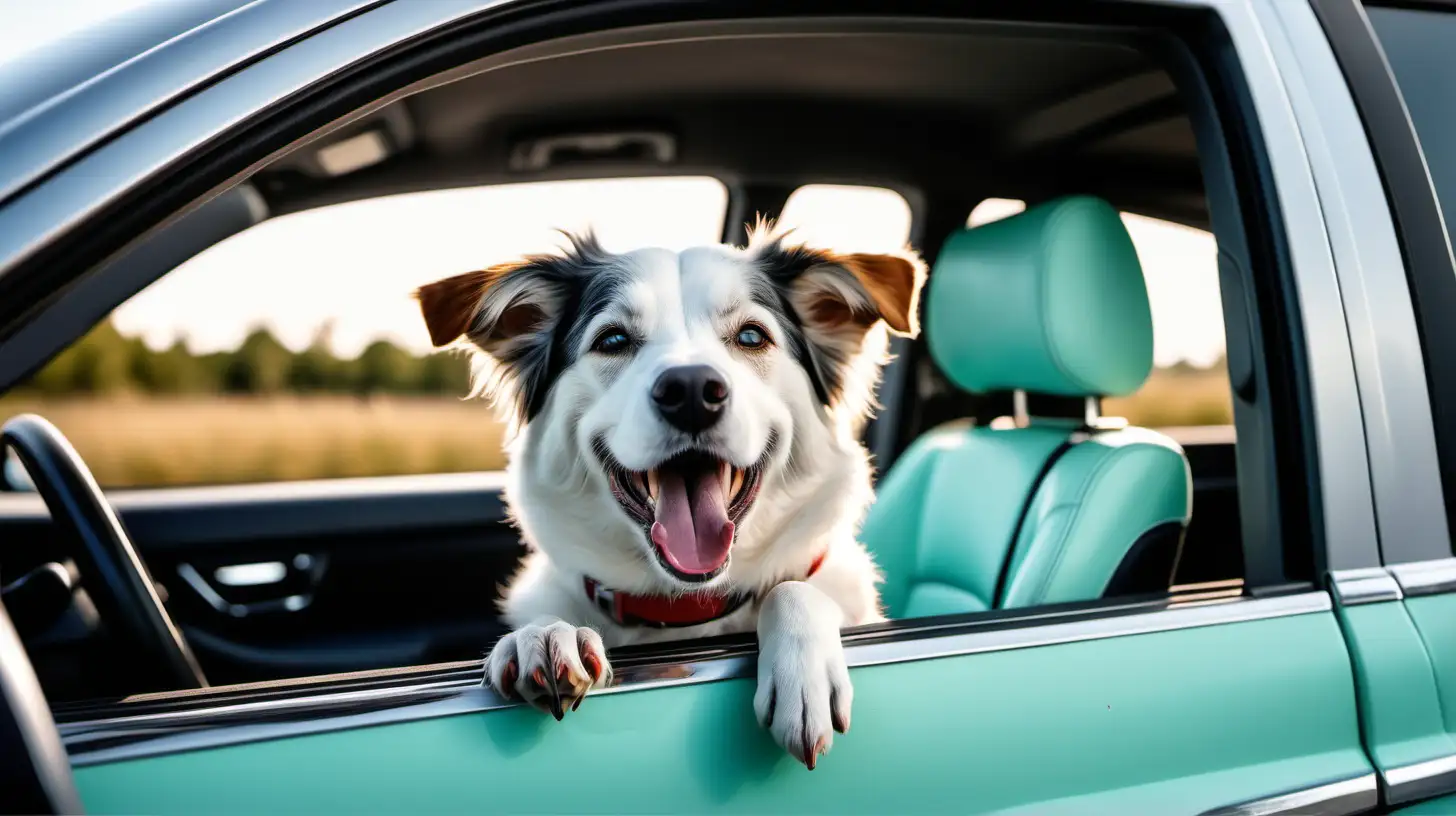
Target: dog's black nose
691	398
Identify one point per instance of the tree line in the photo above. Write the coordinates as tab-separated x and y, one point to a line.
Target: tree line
106	362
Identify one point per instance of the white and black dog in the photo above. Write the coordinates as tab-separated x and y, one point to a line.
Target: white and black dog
687	461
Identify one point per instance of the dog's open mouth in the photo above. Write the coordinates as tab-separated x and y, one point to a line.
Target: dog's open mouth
689	506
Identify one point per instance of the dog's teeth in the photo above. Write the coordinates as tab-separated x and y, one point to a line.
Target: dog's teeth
725	478
652	485
737	483
640	482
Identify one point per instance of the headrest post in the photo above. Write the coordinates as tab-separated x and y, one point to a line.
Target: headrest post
1093	419
1019	411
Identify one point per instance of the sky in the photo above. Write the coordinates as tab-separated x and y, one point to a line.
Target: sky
351	267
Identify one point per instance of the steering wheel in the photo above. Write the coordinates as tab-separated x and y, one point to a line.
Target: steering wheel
115	577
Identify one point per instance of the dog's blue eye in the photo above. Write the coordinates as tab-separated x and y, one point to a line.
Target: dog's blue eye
611	341
752	337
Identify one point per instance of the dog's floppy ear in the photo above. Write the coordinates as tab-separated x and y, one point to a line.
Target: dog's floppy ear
836	300
490	307
842	296
449	304
508	312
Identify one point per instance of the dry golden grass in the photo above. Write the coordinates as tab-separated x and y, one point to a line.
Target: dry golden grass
132	442
141	441
1173	398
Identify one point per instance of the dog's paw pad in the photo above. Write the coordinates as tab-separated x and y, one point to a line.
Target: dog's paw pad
550	666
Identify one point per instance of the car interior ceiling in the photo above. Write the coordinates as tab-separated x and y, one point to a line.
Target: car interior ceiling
946	117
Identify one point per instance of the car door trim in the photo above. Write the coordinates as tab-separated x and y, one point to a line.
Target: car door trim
1420	780
1354	587
1417	578
1355	795
115	738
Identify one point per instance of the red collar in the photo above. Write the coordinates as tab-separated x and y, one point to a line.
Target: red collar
671	611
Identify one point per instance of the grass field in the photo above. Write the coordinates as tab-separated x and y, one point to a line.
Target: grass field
151	441
1177	398
214	440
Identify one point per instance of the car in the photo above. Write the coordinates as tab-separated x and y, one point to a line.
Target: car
316	645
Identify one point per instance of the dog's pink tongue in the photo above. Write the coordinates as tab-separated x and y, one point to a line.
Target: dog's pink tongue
692	528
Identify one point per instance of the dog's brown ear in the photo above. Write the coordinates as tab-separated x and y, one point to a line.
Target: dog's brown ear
451	308
449	305
893	284
849	293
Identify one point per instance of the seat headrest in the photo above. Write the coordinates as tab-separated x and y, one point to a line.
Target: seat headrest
1051	301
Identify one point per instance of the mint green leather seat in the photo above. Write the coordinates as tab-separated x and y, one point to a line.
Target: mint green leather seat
1051	301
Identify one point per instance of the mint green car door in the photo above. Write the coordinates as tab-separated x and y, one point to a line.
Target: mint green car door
1185	708
1429	590
1402	649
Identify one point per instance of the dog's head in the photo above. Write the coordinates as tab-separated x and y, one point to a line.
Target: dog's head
664	392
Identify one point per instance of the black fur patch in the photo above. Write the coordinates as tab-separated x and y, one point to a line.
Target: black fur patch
582	281
781	266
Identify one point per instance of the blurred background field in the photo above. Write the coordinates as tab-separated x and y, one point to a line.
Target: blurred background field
1178	396
141	417
136	441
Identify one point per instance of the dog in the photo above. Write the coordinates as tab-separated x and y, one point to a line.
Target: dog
685	458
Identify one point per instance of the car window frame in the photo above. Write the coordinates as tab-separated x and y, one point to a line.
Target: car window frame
1428	263
1271	191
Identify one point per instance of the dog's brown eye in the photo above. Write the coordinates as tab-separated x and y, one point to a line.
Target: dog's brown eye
751	337
612	340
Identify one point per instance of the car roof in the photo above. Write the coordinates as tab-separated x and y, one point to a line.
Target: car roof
62	100
97	47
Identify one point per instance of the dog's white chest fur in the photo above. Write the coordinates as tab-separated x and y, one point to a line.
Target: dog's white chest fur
688	449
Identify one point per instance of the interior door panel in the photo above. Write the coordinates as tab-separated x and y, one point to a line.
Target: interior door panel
375	572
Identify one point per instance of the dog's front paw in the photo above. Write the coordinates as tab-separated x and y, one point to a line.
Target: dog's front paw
550	664
804	694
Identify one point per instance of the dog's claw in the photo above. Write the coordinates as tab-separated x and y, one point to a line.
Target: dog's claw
508	679
551	666
811	759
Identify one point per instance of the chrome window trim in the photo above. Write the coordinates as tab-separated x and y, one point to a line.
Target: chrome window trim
112	739
1364	586
1379	313
1355	795
1417	578
45	136
1420	780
